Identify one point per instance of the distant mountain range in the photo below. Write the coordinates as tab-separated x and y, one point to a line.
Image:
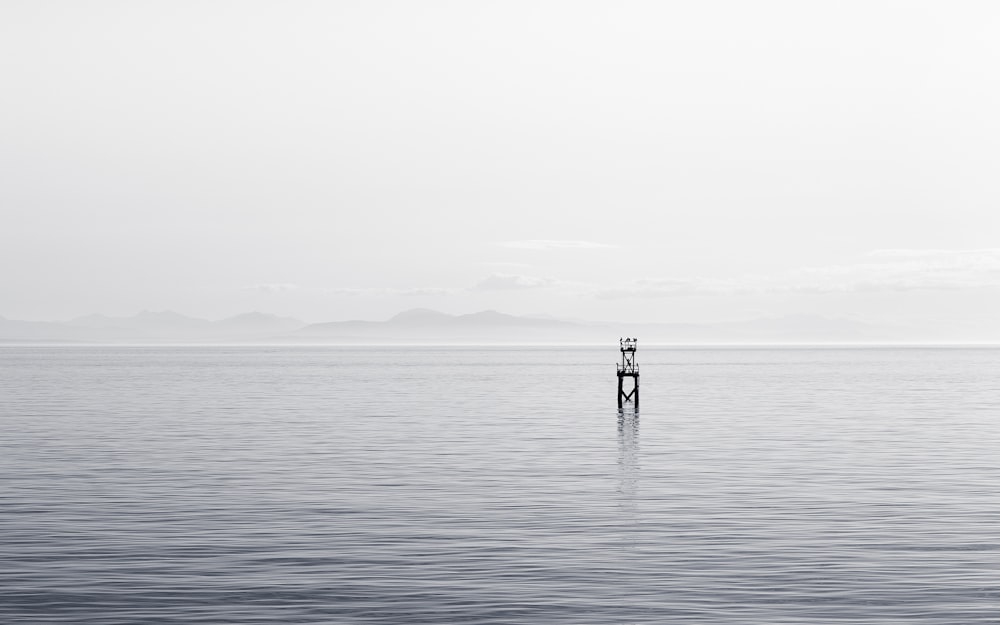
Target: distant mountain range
149	326
432	327
428	326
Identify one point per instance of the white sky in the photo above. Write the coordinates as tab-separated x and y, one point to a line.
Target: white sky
673	161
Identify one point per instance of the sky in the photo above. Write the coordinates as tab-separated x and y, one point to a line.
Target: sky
635	161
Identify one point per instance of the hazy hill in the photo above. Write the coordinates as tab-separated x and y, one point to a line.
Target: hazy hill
13	330
259	323
165	326
422	317
429	326
146	324
421	325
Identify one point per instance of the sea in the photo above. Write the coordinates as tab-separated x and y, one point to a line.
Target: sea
498	485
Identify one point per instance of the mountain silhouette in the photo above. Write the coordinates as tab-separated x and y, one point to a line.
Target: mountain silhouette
425	326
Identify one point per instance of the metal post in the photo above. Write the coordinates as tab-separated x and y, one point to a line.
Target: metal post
628	369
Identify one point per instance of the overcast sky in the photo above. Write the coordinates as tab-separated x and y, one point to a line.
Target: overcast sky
673	161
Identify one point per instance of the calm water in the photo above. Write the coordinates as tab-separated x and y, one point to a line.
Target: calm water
477	485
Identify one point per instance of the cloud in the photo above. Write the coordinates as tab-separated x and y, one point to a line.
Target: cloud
507	265
881	271
670	287
877	271
279	287
388	292
934	253
906	270
508	282
549	244
492	282
426	291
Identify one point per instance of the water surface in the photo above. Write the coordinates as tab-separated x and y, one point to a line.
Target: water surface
498	485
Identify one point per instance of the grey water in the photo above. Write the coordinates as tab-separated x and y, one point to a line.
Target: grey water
498	485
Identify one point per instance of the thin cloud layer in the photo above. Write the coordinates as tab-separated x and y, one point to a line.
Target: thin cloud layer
279	287
877	271
885	270
389	292
508	282
668	287
908	253
551	244
492	282
907	270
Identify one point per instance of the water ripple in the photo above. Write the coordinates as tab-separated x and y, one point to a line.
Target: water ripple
477	485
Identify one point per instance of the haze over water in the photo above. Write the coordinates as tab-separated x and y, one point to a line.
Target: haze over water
498	485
